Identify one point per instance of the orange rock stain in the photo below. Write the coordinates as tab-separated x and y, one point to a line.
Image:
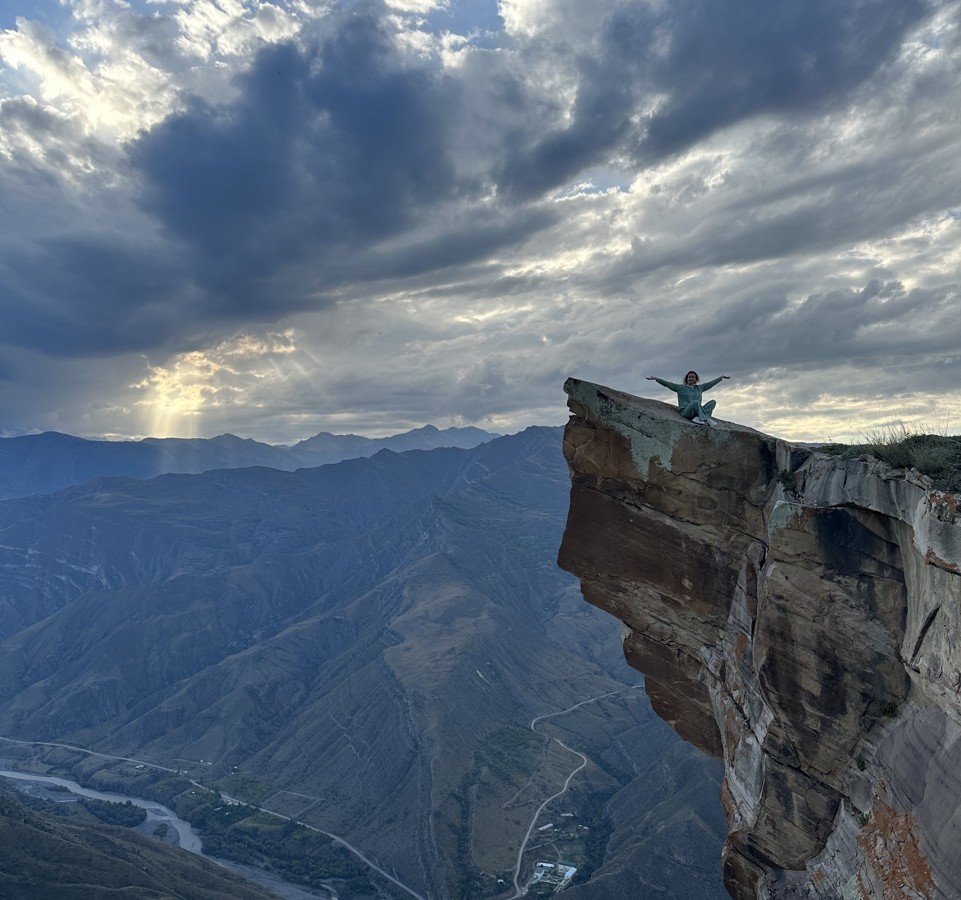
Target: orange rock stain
890	844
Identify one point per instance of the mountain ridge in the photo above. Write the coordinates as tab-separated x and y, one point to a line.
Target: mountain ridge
50	461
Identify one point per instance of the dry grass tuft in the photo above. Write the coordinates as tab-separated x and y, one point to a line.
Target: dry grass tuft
937	455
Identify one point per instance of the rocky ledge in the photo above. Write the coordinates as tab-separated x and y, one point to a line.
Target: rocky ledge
798	616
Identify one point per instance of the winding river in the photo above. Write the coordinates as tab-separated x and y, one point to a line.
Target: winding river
187	837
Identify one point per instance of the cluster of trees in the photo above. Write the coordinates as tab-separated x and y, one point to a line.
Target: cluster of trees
243	834
125	814
164	788
600	827
512	752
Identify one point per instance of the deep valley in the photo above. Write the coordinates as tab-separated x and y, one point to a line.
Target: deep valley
362	648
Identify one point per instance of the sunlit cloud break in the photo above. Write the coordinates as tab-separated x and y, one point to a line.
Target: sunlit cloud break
176	396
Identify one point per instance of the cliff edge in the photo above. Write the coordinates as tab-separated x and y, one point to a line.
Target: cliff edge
798	616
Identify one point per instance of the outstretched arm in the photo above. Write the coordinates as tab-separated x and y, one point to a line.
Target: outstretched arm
668	384
709	384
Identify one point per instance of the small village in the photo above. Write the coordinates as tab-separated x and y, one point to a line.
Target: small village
555	876
554	843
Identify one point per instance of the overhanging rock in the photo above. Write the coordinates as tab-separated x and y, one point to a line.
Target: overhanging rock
798	616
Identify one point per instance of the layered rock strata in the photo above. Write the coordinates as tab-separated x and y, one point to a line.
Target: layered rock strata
796	615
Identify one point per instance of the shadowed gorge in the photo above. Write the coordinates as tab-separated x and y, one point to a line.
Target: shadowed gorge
795	615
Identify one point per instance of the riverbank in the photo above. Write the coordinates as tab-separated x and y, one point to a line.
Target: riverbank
180	832
157	814
327	862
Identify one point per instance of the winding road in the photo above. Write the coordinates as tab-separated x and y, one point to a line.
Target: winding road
518	890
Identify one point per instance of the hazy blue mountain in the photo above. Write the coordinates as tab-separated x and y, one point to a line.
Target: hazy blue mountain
324	448
43	463
362	645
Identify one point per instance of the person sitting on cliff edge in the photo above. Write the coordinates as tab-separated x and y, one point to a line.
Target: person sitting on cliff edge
689	397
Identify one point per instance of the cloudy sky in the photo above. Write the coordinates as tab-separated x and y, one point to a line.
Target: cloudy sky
276	218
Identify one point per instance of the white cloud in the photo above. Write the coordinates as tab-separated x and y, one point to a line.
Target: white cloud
107	88
417	6
231	28
121	71
560	21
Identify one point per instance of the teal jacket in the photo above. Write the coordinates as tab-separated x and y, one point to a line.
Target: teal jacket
686	395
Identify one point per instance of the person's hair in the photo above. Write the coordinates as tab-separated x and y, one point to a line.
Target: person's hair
697	377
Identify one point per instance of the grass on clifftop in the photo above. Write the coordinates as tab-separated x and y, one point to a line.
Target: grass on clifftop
936	455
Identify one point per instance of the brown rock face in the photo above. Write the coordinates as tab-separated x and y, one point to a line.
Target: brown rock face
797	616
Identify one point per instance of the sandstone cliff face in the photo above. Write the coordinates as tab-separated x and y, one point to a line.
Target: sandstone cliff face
796	615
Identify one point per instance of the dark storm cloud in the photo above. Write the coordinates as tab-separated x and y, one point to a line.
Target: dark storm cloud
600	122
334	165
706	65
489	232
79	297
729	61
326	152
878	324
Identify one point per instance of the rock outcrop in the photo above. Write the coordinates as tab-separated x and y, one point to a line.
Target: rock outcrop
798	616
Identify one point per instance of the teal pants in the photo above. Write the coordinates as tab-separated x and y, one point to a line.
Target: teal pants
696	409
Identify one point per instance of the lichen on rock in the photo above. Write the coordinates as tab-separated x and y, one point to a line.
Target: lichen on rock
796	615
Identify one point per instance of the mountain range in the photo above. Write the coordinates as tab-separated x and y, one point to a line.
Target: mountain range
364	646
46	462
